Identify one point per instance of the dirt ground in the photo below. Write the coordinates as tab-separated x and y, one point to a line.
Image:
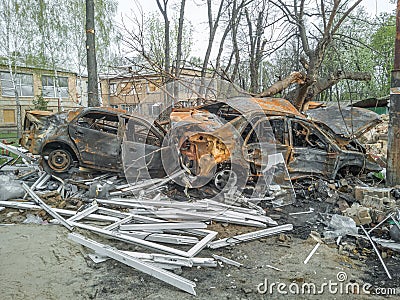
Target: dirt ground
39	262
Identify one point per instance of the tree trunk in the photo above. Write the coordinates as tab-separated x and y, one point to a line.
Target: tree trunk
179	48
17	102
295	77
93	97
179	41
213	25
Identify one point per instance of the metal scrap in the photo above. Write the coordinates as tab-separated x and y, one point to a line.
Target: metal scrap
47	208
249	236
170	278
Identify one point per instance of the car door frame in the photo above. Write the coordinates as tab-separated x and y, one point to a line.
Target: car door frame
278	147
313	161
101	151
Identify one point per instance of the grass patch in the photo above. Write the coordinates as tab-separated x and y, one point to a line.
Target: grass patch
9	138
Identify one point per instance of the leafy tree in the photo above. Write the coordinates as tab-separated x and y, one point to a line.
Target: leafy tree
40	103
15	34
382	42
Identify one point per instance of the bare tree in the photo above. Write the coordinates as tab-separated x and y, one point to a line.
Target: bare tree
179	39
316	42
93	97
163	7
212	27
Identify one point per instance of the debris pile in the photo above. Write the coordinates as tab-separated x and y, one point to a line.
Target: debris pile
376	140
174	231
354	213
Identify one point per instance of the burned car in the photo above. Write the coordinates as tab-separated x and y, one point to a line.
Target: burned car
214	142
87	137
309	147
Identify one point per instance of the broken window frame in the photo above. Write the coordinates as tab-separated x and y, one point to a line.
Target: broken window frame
99	124
330	145
263	119
150	128
208	235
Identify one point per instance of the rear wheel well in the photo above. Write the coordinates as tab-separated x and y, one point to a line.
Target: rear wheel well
58	145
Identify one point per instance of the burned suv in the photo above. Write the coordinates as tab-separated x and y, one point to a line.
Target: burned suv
251	133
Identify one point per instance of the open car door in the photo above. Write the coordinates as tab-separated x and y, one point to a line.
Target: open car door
141	150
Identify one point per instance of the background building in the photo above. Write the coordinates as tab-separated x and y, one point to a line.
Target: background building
69	91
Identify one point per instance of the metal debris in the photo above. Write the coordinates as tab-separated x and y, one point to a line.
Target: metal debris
377	252
312	253
170	278
249	236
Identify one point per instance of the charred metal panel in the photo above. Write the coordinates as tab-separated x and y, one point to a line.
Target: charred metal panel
311	162
350	122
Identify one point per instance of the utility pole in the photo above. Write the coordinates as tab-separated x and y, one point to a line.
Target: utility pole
393	150
93	97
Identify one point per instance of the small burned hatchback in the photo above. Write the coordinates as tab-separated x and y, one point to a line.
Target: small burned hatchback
86	137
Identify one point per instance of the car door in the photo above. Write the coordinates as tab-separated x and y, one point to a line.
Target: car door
268	136
141	150
312	152
95	134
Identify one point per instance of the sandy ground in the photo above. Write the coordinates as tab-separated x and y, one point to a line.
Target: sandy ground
39	262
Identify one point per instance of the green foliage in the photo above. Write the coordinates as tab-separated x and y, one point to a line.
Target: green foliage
51	33
40	103
382	42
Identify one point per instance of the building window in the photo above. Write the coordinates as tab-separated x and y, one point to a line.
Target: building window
128	107
49	86
113	89
9	116
23	83
127	88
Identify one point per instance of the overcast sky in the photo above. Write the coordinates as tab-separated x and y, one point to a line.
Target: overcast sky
196	12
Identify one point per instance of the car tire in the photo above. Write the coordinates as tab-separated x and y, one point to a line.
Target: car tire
59	161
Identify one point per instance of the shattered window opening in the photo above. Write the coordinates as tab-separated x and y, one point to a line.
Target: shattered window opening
141	133
100	122
304	136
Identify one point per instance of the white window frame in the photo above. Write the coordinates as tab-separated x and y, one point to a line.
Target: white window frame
18	83
50	91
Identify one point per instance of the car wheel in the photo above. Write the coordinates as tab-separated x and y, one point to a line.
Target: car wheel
229	178
59	160
225	178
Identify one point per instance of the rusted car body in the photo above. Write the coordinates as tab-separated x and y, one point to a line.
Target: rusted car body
310	148
86	137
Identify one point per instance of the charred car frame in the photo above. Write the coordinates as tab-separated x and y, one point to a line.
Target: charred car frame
212	141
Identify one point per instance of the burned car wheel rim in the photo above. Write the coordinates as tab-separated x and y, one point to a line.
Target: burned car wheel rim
59	160
225	179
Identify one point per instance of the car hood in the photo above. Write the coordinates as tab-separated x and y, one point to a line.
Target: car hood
347	122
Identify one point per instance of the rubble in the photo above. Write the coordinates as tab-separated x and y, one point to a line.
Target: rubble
141	221
169	234
10	188
359	214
